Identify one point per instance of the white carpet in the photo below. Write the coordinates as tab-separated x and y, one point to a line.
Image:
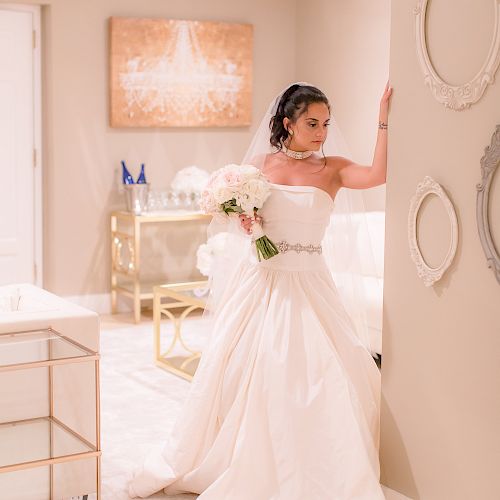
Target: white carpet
139	401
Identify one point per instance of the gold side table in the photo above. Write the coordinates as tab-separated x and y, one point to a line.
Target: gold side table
45	440
129	267
166	298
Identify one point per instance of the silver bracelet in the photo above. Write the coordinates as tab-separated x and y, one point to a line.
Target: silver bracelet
382	125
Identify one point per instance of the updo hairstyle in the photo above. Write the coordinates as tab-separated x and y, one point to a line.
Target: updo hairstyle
293	103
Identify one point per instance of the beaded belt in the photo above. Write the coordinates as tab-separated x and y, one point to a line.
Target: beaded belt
284	246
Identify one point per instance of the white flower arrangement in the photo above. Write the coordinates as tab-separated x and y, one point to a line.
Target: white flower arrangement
190	180
208	251
239	189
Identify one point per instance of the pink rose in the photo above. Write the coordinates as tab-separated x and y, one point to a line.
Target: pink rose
232	178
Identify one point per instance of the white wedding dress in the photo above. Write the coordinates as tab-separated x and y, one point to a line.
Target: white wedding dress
285	402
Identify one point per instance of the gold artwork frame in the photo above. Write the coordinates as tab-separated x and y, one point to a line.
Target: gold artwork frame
180	73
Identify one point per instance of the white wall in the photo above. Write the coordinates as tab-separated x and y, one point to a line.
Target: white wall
440	369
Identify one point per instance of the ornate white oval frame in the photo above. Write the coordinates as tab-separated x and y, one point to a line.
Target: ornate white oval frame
425	188
462	96
489	164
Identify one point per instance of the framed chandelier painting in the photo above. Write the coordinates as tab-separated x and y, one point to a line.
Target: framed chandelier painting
174	73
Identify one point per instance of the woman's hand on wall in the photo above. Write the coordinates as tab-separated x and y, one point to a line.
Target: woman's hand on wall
384	103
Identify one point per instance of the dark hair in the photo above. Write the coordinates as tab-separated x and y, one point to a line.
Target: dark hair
293	103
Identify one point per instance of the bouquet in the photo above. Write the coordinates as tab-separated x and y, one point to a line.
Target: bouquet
239	189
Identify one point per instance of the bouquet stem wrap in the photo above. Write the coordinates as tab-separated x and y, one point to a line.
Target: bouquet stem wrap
265	247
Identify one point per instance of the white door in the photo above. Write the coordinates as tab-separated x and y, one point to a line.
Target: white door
17	146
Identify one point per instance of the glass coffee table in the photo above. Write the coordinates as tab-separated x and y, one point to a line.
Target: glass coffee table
42	455
178	358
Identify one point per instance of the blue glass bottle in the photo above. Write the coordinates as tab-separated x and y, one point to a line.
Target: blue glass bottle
142	176
126	177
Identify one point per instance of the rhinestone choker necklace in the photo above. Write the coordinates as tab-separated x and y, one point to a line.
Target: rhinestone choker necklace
298	155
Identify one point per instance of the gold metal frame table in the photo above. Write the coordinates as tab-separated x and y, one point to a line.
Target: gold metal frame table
46	440
121	240
173	296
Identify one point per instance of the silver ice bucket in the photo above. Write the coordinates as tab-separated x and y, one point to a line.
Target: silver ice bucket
136	197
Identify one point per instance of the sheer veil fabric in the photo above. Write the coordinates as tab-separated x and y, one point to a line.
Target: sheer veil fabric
347	254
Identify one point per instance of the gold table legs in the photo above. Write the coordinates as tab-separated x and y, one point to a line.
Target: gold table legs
127	265
185	364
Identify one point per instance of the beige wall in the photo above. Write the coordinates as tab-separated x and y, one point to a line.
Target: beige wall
343	48
82	153
441	363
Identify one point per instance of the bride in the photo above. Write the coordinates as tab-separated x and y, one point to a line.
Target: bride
285	402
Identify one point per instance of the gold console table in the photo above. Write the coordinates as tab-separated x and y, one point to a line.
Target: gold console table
166	298
130	269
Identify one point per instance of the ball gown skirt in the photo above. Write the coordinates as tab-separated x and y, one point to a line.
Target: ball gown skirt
285	402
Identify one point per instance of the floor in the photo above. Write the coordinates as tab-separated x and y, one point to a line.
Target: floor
139	401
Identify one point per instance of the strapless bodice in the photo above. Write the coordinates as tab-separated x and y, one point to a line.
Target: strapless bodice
297	215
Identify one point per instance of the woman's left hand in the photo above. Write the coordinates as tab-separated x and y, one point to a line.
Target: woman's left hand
384	102
387	95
